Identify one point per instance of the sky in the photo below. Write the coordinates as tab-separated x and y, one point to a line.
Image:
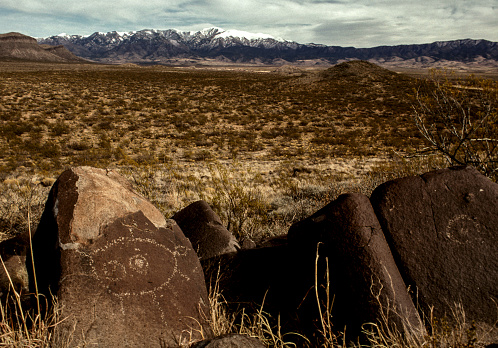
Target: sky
357	23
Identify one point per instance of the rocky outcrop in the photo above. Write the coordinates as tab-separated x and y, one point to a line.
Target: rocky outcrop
442	227
125	275
203	227
122	273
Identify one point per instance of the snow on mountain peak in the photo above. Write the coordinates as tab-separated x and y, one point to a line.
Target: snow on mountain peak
125	33
207	31
245	35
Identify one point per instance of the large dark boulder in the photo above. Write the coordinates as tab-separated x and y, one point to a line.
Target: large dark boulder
443	229
203	227
259	278
280	279
364	283
123	275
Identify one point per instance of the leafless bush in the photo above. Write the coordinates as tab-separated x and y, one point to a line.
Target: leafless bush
459	118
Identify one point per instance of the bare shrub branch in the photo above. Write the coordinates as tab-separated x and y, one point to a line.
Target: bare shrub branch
459	119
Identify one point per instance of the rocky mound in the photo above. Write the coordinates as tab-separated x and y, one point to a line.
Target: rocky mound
360	71
123	274
16	46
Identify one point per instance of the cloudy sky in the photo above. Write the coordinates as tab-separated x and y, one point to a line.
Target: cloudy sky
358	23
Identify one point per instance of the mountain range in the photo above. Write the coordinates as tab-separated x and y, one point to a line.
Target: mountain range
215	45
169	46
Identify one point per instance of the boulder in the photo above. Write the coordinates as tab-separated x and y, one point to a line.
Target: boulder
264	279
13	271
442	227
364	283
123	275
203	227
230	341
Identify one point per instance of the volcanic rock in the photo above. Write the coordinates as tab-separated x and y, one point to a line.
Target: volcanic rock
345	240
13	272
123	275
263	278
203	227
442	228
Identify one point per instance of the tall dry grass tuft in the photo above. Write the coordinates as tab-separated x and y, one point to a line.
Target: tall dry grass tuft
451	332
20	327
22	324
328	337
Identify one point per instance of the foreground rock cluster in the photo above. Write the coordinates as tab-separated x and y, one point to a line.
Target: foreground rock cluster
126	276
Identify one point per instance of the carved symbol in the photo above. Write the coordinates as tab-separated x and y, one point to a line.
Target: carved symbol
137	265
135	275
113	270
462	228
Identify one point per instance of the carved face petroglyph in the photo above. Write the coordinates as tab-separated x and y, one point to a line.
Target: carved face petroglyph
135	263
124	264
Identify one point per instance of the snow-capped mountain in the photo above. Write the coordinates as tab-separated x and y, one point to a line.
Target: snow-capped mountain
150	45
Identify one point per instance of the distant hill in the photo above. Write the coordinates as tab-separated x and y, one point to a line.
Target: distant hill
19	47
358	70
362	79
217	45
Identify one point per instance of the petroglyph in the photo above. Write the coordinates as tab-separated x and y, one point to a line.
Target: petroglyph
123	274
462	228
134	264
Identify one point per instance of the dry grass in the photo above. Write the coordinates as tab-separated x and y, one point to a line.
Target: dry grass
264	149
52	118
454	331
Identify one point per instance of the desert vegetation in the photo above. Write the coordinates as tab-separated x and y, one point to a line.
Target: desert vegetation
459	119
265	149
184	134
114	115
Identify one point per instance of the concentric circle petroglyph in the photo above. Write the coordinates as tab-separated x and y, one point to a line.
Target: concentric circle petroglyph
131	271
462	228
139	263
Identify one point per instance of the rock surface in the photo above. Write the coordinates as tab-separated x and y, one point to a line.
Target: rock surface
364	279
259	276
124	275
13	272
230	341
443	227
203	227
